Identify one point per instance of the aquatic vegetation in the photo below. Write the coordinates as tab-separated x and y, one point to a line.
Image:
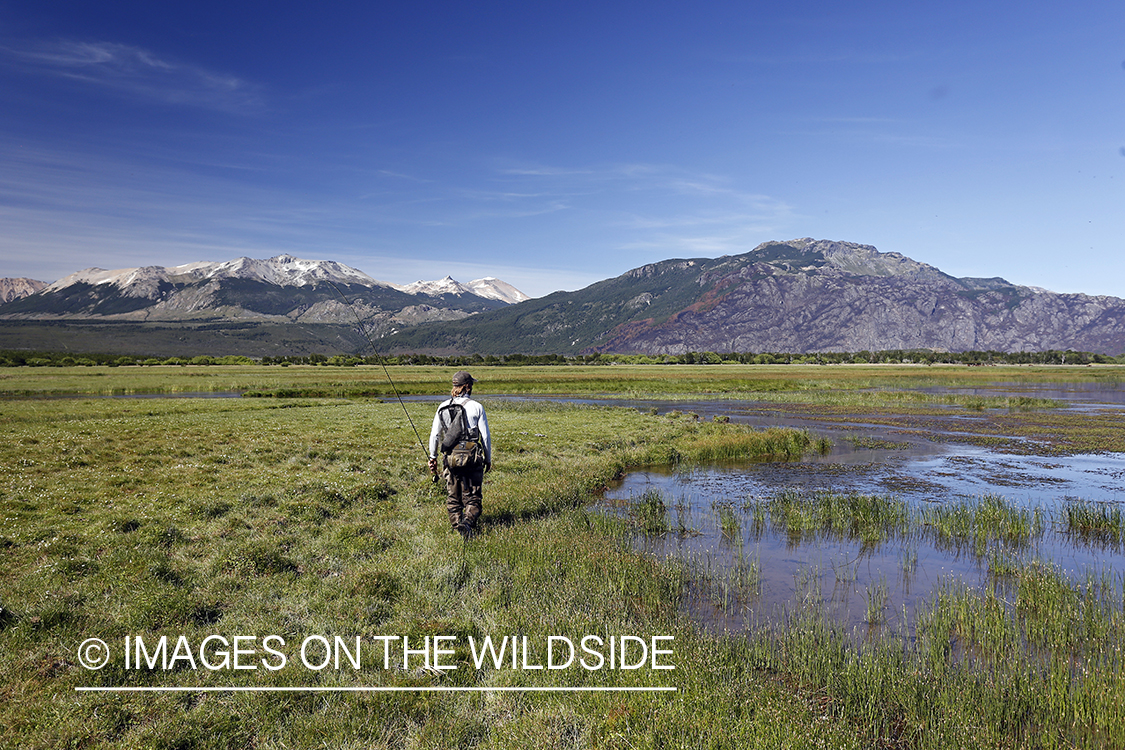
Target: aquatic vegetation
728	586
981	521
650	512
683	525
315	515
976	669
729	521
739	443
877	444
1099	522
868	518
876	595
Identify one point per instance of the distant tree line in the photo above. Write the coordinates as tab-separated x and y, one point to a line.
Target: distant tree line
12	358
889	356
15	358
426	359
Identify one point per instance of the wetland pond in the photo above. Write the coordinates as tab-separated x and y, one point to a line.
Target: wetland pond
870	530
905	502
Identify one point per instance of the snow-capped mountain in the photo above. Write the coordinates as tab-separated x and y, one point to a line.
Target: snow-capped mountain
281	270
280	288
493	288
437	288
489	287
286	270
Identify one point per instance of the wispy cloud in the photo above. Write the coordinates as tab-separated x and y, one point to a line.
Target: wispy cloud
544	171
401	176
63	208
136	72
661	209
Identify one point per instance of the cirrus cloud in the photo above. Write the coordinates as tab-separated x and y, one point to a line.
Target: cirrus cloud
135	72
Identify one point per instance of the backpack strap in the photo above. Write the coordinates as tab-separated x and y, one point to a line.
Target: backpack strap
467	433
455	429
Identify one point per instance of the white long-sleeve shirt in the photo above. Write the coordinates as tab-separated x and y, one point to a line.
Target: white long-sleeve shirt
474	415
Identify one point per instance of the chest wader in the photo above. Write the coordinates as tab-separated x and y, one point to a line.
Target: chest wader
463	464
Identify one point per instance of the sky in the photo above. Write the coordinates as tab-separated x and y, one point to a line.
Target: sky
554	144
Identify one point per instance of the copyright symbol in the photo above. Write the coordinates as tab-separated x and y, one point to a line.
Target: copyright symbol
93	653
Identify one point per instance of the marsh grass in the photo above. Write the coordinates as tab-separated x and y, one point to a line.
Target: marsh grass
848	385
316	516
725	584
870	519
1097	522
684	525
650	513
981	522
876	595
1041	668
1033	658
724	443
730	524
302	516
846	570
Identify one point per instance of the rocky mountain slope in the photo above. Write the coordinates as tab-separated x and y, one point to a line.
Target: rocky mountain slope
11	289
803	295
279	289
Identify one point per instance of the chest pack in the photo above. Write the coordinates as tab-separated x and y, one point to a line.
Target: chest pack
460	443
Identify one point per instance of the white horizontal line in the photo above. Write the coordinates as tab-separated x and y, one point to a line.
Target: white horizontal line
371	689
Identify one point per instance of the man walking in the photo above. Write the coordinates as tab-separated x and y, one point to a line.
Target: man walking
460	431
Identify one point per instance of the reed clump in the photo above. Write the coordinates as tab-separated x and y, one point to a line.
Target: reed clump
650	512
867	518
979	522
721	443
1036	662
1099	522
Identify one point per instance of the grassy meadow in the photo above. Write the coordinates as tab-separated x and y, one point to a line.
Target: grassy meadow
308	511
866	385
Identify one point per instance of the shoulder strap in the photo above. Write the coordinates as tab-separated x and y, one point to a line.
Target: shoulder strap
464	414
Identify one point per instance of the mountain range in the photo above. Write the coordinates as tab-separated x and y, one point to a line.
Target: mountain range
279	289
801	295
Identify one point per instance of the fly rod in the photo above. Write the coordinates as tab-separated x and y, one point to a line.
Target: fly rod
383	364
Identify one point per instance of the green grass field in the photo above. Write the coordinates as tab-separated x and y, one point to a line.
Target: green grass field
802	383
304	516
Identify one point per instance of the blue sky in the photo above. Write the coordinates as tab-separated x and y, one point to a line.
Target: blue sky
556	144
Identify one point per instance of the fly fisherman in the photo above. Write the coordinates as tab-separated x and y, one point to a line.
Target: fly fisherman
460	432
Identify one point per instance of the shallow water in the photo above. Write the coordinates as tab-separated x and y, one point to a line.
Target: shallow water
716	507
1073	394
747	570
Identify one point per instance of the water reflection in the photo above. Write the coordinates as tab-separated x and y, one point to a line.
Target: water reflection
748	564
